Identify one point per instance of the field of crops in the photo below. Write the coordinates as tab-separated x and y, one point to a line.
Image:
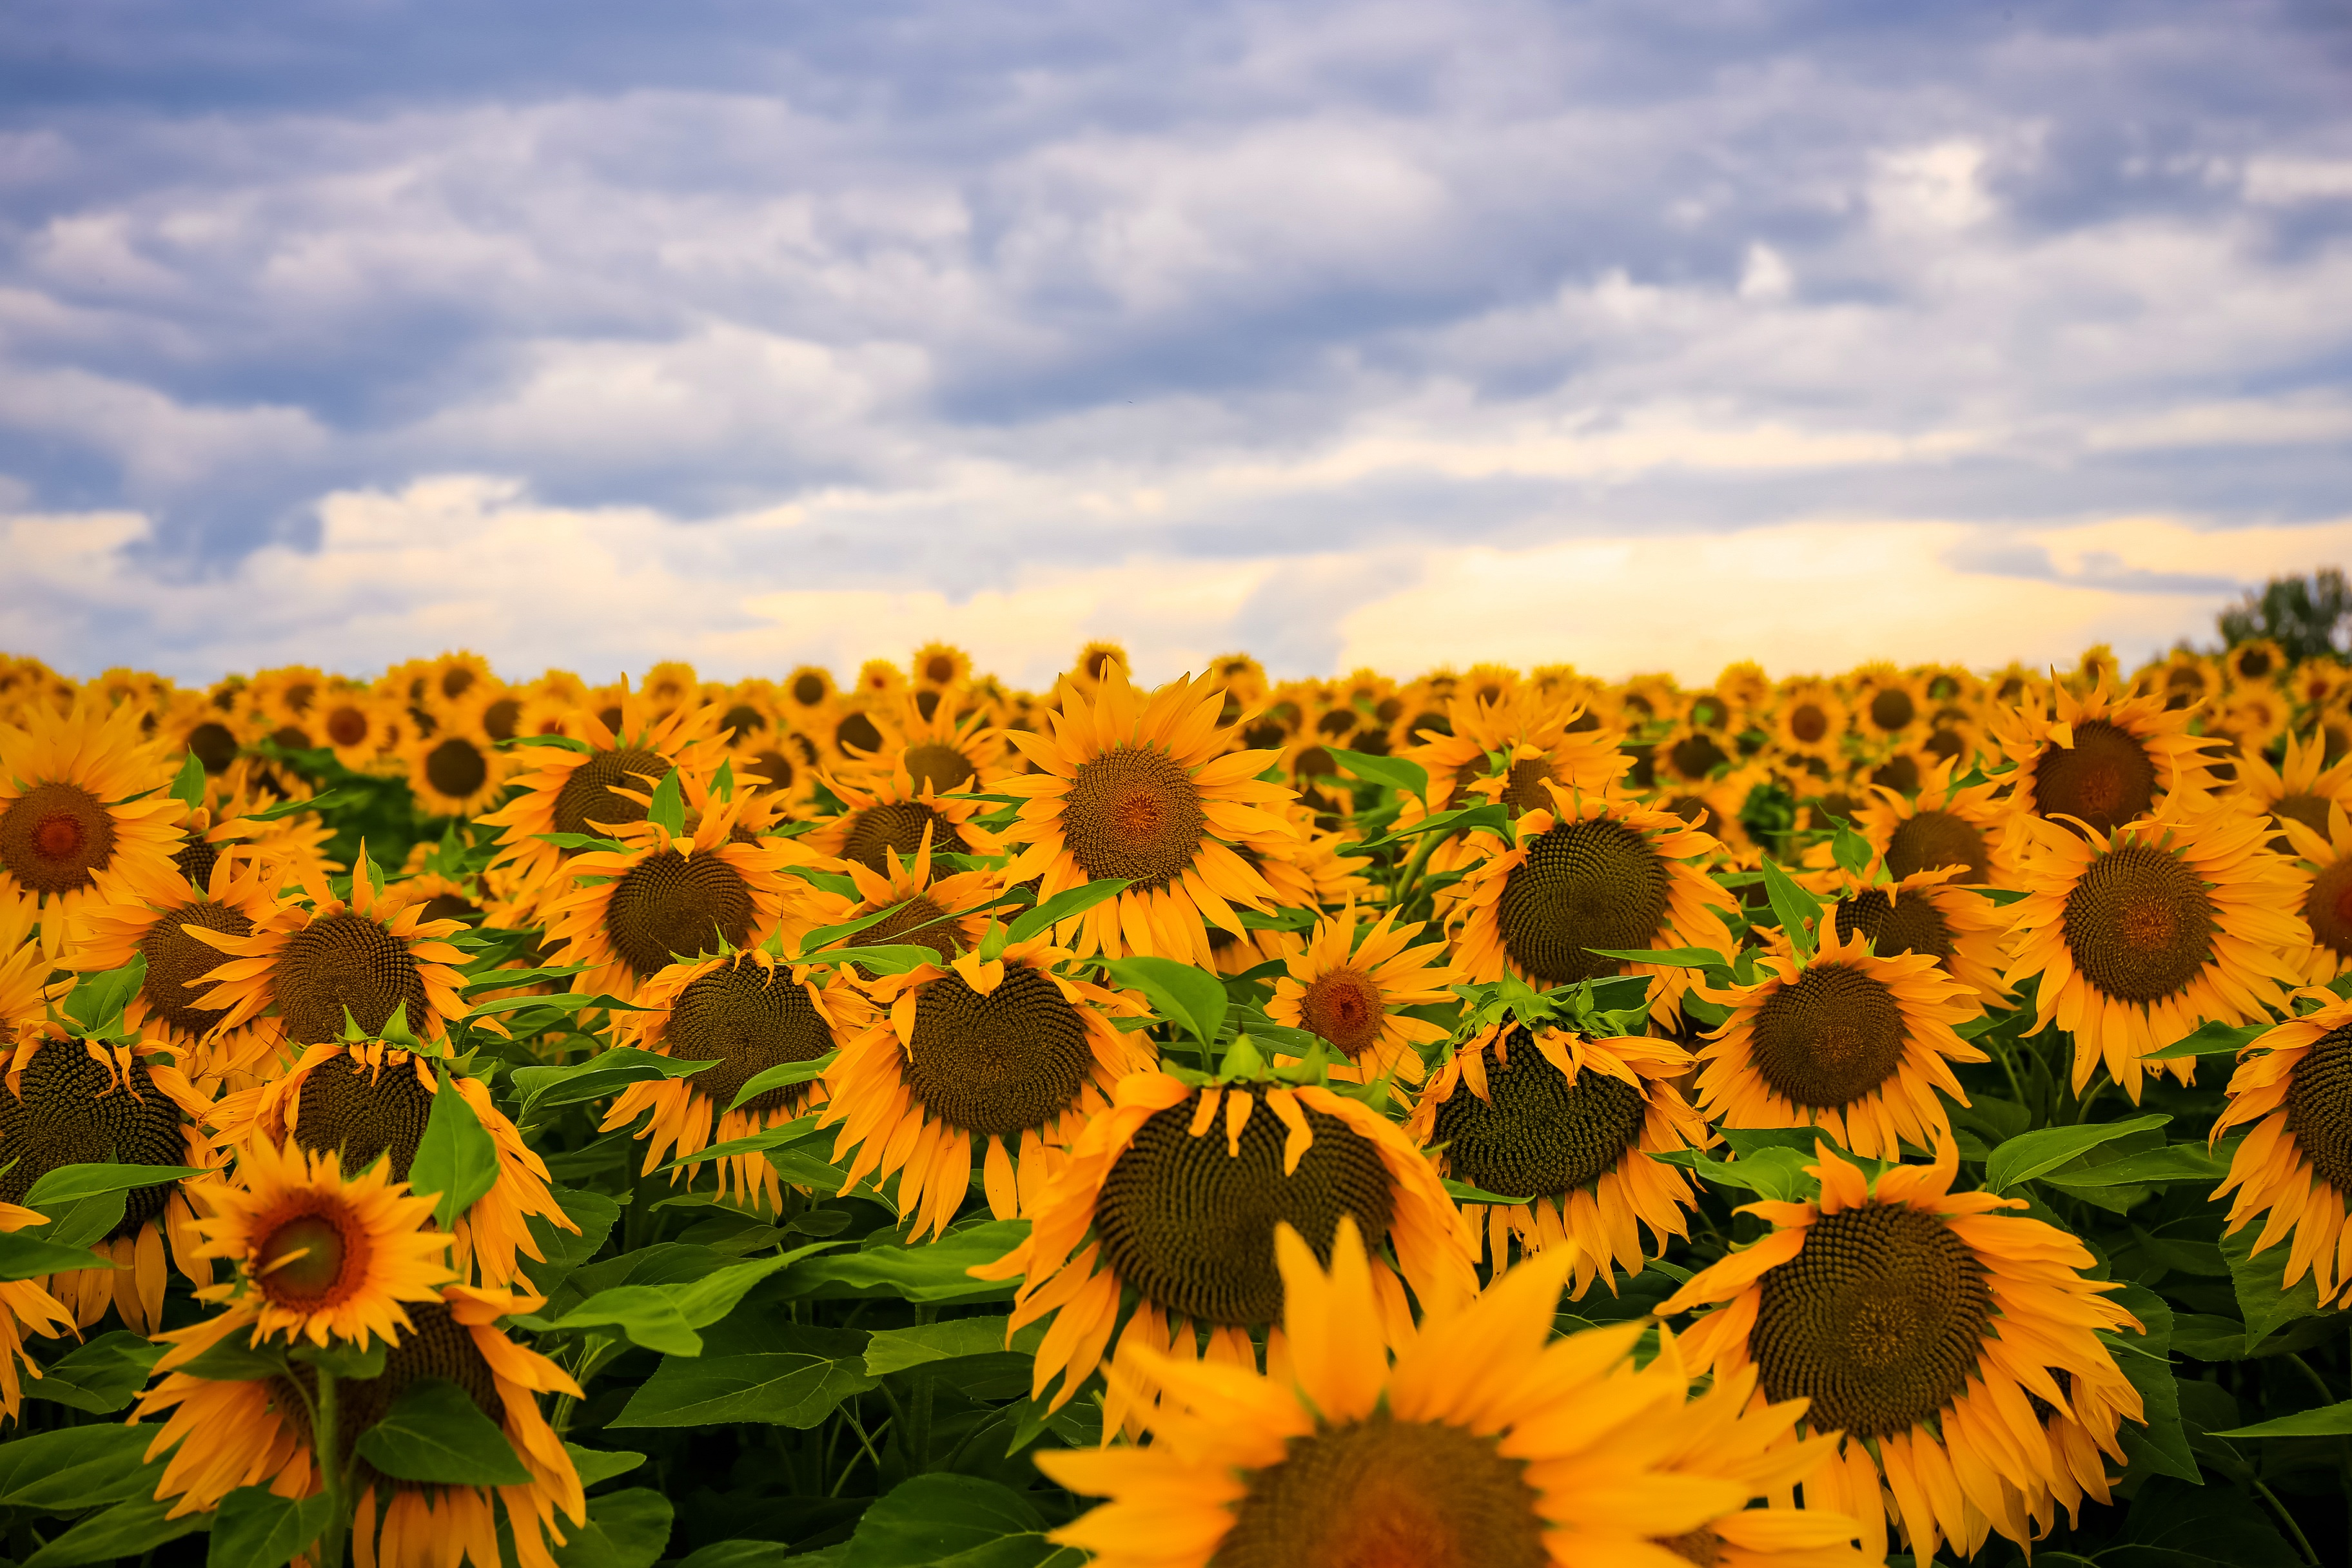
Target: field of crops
1478	1121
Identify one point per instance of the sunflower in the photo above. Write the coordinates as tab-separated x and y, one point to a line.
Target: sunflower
365	1104
2256	663
1925	1326
24	970
1888	704
1174	1193
747	1014
2326	902
1486	1442
1942	825
1810	720
896	814
238	893
23	1304
222	1435
1598	871
1715	806
336	961
2294	1086
660	901
940	750
1348	984
1572	1124
81	794
2099	759
1931	912
947	915
940	665
1536	737
781	765
1145	789
604	787
1014	1053
2301	787
356	724
1098	664
1854	1042
2141	935
457	770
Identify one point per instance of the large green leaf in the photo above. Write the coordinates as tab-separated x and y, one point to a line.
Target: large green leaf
1401	774
2148	1167
25	1256
561	1251
896	1350
101	1376
253	1528
73	1469
606	1072
2030	1154
645	1313
2213	1040
434	1432
782	1076
780	1388
2327	1421
936	1272
2260	1279
955	1521
627	1529
132	1529
2161	1445
64	1184
1193	998
1067	904
1769	1172
456	1158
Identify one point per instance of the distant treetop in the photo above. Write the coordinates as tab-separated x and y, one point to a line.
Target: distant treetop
2302	615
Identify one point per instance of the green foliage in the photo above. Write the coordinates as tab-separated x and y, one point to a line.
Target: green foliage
2304	615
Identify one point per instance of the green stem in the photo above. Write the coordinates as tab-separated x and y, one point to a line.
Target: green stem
2302	1542
1429	842
919	1407
326	1448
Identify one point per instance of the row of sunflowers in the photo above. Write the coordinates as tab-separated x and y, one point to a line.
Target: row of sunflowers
1493	1119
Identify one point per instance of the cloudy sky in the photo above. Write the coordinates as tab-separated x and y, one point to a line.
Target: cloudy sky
1640	335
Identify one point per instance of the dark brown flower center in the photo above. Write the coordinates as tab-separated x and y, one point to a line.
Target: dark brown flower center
938	768
2311	810
1879	1320
1134	812
346	726
301	1262
896	826
671	909
457	767
1828	1037
1539	1133
1892	708
1344	1006
362	1114
918	920
70	1110
808	689
2105	779
214	745
196	860
1932	839
2319	1107
1912	924
1002	1064
1191	1227
587	801
1584	885
499	719
2139	923
1696	756
747	1019
53	836
176	961
857	733
2328	908
1382	1493
346	961
1808	722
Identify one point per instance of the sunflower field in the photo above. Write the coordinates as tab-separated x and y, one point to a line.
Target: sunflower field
1480	1121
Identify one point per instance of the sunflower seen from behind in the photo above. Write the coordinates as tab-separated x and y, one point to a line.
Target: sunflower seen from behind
1145	789
1349	983
2292	1093
1924	1325
2138	937
82	794
1568	1125
1484	1442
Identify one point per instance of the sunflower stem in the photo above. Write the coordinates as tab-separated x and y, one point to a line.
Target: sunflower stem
1406	882
2302	1542
919	1407
326	1441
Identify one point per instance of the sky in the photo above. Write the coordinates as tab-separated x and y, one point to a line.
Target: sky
1636	334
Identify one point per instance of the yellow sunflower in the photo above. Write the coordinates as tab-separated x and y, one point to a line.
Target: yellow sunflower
2293	1087
894	813
71	1101
335	961
947	915
1536	737
2301	787
259	1433
1012	1053
81	793
1348	984
358	725
1145	789
664	900
1487	1442
1888	704
2256	663
23	1305
24	969
1809	720
1572	1124
1715	807
365	1104
1174	1193
1930	912
2140	936
1942	825
458	770
2100	759
1597	870
2324	870
235	896
747	1014
1925	1325
781	765
1854	1042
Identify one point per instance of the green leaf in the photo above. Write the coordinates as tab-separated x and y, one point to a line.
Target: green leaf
707	1300
595	1465
2327	1421
2213	1040
257	1529
2169	1162
1769	1172
456	1157
71	1184
667	807
2161	1444
436	1432
799	1129
569	742
331	800
582	841
779	1388
2209	1336
97	1000
955	1521
1191	997
933	1272
1065	905
2264	1300
24	1256
1491	815
101	1376
894	958
644	1313
896	1350
561	1251
1850	850
1401	774
2030	1154
74	1468
130	1529
606	1072
1667	957
781	1074
824	936
628	1528
1793	907
1464	1193
188	783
